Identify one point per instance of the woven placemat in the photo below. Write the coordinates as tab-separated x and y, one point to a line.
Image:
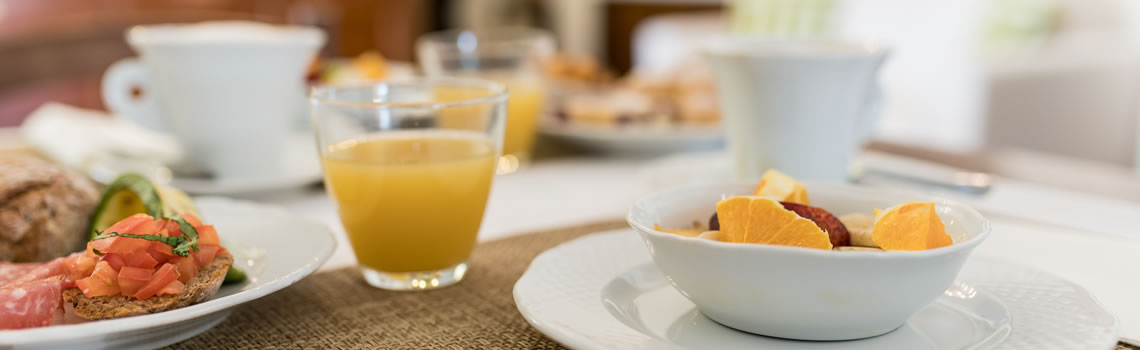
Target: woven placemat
337	310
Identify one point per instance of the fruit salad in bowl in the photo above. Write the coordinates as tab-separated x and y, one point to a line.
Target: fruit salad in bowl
809	261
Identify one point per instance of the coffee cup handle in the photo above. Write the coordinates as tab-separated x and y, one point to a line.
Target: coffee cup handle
128	93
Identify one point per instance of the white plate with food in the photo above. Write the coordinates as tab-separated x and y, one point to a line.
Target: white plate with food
603	292
144	282
636	139
645	114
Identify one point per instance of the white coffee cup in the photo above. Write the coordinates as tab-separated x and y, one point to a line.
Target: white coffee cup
803	107
228	91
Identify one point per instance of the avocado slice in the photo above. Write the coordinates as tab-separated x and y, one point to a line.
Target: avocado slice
131	194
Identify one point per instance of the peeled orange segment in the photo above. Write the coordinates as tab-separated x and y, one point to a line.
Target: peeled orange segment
761	220
781	187
910	226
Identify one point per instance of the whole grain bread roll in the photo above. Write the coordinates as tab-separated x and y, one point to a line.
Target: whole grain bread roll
44	209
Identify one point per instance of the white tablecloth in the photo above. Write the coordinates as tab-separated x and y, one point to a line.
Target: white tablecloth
1089	240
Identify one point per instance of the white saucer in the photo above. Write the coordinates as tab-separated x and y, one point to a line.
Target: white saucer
302	168
275	249
640	140
603	292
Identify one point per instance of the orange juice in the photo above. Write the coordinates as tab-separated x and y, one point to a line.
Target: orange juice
524	106
411	201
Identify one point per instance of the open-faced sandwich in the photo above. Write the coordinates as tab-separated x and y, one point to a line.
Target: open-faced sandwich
143	265
147	251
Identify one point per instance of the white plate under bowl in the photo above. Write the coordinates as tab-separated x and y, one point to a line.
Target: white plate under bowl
637	140
275	248
603	292
302	168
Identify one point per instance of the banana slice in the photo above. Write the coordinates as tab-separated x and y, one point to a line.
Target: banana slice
859	226
710	235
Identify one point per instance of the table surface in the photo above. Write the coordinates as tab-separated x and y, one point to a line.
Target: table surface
1088	239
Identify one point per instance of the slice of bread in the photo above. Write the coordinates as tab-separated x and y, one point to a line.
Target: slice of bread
202	287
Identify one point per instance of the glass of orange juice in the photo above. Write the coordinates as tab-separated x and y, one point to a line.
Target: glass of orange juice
409	165
510	56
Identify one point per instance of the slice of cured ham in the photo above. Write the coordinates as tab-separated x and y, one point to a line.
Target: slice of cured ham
30	303
44	270
10	271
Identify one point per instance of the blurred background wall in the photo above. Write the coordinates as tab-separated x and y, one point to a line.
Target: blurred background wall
58	49
1055	76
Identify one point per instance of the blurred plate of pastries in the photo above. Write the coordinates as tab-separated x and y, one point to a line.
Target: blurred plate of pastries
642	112
367	67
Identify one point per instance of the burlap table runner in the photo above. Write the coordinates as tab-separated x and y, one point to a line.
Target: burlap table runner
337	310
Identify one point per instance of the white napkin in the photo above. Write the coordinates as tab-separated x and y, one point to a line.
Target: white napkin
96	143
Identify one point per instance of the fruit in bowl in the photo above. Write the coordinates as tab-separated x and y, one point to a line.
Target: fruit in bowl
773	271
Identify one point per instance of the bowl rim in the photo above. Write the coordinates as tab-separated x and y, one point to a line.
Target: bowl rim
968	245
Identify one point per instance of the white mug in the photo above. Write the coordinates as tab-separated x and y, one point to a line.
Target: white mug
228	91
803	107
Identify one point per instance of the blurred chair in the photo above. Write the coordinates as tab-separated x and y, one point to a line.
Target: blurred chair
1076	93
623	17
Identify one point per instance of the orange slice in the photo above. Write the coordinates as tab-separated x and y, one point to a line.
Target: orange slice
909	226
756	219
781	187
687	232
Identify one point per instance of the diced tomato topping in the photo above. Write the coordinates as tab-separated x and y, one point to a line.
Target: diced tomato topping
120	244
191	219
80	266
187	268
141	259
165	274
161	252
139	224
117	262
91	251
172	288
171	228
103	281
207	253
126	265
131	279
207	236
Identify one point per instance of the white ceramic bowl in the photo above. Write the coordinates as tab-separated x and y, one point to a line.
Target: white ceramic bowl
801	293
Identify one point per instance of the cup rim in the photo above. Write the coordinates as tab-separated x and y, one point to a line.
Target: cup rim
967	246
497	93
282	35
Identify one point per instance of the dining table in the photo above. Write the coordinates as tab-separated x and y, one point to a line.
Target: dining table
1088	239
1091	240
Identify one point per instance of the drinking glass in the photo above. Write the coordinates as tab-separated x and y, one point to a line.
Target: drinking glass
409	166
511	56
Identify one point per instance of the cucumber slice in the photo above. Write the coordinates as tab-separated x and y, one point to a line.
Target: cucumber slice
234	275
131	194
